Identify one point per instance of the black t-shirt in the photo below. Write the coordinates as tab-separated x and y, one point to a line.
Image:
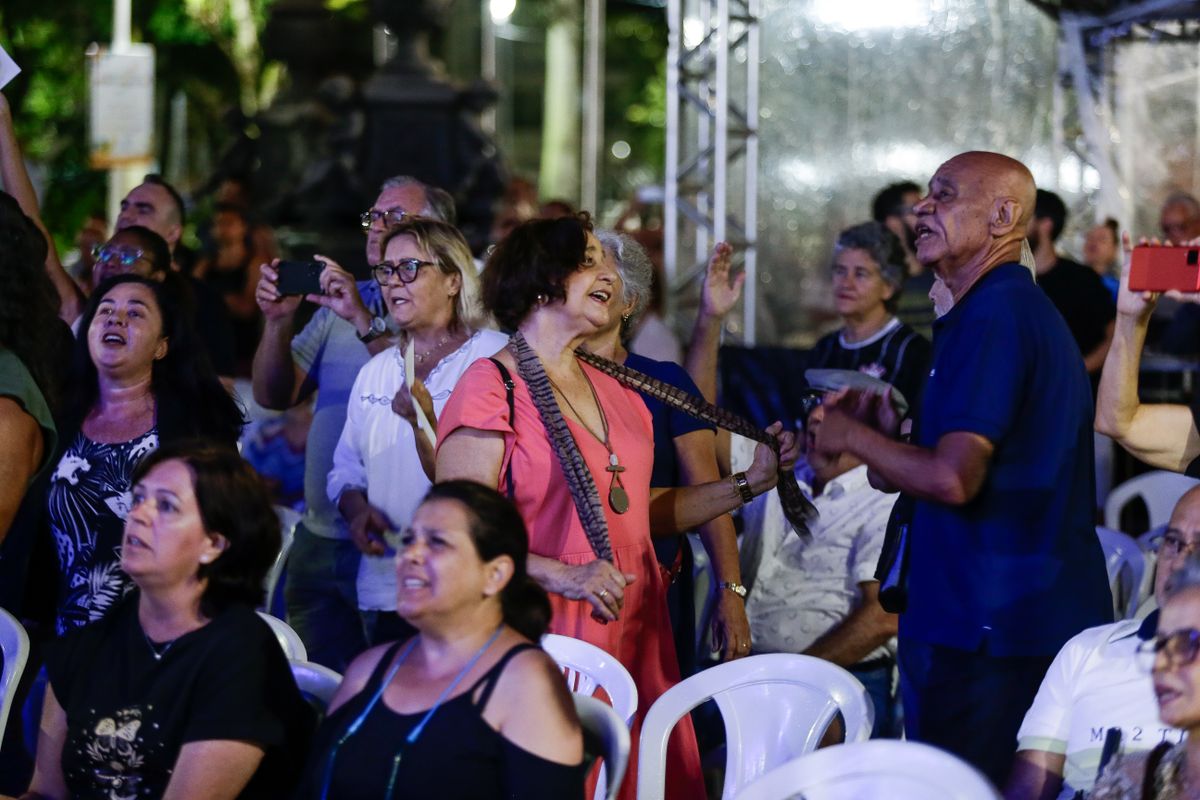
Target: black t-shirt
129	715
896	354
1080	296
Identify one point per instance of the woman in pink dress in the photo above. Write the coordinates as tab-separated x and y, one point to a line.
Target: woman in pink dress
575	455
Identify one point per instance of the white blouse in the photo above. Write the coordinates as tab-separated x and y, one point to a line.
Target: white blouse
377	452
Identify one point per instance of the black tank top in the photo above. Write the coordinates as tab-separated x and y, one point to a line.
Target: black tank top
457	757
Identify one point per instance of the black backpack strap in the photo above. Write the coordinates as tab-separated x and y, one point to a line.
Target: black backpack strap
509	386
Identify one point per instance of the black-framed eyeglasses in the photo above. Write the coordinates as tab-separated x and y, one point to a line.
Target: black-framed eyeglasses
1173	545
115	254
406	269
1179	648
390	216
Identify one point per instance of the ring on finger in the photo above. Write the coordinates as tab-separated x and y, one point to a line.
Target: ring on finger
603	593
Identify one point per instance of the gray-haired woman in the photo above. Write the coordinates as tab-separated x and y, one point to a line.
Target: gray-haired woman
684	454
868	273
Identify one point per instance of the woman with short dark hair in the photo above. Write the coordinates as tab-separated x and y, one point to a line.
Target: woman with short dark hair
137	381
574	449
181	690
470	707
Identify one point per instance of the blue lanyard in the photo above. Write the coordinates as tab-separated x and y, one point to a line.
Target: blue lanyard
415	733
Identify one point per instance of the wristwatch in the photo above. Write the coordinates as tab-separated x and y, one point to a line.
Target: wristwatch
742	484
377	328
736	588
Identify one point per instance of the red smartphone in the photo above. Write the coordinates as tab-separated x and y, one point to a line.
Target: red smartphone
1158	268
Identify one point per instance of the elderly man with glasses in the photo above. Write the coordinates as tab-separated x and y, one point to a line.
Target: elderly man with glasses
1096	684
349	328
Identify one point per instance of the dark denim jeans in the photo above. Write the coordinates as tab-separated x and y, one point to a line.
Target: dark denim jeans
878	683
322	598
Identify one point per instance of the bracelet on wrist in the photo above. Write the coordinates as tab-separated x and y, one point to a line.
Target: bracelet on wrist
734	587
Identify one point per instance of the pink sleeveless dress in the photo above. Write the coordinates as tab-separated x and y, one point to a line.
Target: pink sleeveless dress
641	639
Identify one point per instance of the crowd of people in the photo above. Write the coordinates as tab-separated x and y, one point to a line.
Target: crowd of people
472	483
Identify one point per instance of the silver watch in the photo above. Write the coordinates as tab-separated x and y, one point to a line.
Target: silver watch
377	328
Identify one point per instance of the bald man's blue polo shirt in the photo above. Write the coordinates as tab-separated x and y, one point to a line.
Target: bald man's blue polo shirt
1018	570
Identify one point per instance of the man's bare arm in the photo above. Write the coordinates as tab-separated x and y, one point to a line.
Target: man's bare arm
854	638
17	183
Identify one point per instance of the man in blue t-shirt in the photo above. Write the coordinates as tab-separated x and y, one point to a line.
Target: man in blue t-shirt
1004	564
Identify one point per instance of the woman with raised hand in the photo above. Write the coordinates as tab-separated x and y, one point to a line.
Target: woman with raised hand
383	458
470	707
137	380
181	691
574	449
684	453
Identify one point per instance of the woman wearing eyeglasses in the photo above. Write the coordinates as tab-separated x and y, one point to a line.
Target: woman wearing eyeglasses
384	458
1171	771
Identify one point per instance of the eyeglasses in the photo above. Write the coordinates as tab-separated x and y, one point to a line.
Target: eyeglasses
810	399
406	269
1179	648
391	216
125	256
1174	545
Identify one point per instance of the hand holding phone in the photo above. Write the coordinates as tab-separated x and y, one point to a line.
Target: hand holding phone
300	277
1163	268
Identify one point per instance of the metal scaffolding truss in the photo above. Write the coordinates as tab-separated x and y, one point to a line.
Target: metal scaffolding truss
711	191
1086	41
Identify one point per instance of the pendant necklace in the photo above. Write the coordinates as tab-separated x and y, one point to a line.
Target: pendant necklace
154	651
618	498
420	357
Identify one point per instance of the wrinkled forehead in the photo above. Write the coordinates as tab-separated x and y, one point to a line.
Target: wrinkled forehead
1185	519
409	198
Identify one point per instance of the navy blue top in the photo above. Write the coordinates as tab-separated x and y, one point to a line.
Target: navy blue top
668	423
1019	568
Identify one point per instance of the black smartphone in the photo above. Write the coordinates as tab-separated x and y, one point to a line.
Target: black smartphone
300	277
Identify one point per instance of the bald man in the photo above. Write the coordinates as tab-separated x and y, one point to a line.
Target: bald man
1003	561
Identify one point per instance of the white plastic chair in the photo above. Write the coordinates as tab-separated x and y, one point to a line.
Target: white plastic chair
14	645
775	707
288	639
288	518
1159	490
879	768
1126	565
587	667
604	730
316	680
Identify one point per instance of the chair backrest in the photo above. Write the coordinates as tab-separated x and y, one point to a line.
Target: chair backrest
890	768
775	707
288	518
587	667
1126	566
316	681
605	735
1159	490
14	645
289	640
